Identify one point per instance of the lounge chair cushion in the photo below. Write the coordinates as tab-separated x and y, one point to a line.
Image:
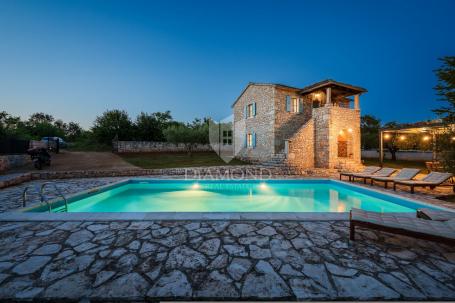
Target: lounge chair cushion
433	178
436	214
383	172
433	228
366	170
404	174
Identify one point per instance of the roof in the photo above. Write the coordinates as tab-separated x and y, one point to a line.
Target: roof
262	84
331	83
307	89
419	127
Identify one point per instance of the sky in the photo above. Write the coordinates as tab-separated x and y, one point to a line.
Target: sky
76	59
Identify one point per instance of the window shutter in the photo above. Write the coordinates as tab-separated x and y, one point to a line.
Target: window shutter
245	111
254	140
288	103
300	105
246	140
254	108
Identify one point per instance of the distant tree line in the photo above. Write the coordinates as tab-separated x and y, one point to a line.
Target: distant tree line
37	126
110	125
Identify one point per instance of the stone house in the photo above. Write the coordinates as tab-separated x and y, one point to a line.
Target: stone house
314	126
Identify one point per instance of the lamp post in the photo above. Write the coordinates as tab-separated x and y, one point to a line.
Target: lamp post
381	148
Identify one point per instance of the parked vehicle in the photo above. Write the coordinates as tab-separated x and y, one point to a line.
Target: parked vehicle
53	141
40	157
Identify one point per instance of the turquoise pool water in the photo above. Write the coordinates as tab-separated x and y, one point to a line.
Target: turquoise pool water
236	196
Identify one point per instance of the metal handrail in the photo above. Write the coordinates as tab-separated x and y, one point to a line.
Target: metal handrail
43	186
24	195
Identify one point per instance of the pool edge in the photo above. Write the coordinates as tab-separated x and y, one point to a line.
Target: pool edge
22	214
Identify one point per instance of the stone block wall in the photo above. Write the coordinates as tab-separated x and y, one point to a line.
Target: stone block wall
301	147
262	124
328	123
155	147
11	161
287	123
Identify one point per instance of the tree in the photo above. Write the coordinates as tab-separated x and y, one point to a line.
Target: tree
112	124
150	127
391	141
445	89
190	135
369	127
41	125
73	131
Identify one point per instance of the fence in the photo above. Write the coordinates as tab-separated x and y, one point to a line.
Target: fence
13	146
410	155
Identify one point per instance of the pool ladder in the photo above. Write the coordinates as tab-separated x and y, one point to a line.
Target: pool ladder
43	198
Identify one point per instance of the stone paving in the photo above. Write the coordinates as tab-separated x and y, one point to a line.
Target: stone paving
144	260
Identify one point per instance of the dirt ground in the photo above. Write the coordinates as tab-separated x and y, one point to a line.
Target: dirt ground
71	160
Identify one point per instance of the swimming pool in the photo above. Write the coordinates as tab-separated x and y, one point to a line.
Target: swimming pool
233	196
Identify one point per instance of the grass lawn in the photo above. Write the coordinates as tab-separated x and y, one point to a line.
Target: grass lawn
173	160
397	164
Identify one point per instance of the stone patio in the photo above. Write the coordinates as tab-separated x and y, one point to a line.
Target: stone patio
144	260
218	259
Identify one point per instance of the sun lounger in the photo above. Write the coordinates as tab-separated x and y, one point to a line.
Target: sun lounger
408	226
402	175
383	172
432	180
435	214
366	170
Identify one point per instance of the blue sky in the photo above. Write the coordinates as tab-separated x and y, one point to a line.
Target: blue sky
75	59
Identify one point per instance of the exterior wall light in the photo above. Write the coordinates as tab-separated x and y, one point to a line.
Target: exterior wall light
386	136
350	130
426	138
402	138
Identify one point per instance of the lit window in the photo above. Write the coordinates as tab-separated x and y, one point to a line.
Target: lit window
295	105
249	140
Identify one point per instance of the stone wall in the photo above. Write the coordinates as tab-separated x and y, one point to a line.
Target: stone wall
12	161
301	147
155	147
262	124
287	123
329	123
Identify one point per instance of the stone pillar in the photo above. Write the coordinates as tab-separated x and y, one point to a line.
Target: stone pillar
328	97
356	102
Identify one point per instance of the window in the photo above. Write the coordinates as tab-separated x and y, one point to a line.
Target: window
227	137
249	140
250	110
294	104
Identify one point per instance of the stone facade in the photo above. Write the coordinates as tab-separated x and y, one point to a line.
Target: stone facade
155	147
301	146
262	124
324	132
